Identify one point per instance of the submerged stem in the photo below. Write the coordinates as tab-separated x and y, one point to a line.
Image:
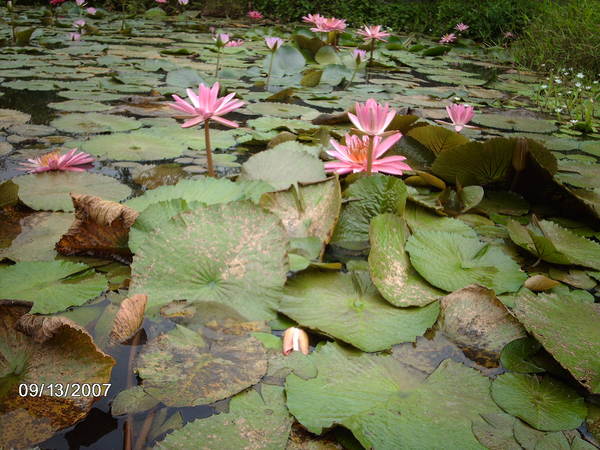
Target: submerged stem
209	161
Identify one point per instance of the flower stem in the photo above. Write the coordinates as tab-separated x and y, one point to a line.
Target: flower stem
209	161
270	68
370	157
370	63
218	62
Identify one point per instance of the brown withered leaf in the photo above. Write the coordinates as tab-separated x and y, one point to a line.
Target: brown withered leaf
68	357
129	318
475	320
540	283
42	328
100	229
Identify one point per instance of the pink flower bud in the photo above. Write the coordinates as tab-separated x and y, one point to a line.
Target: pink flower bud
295	340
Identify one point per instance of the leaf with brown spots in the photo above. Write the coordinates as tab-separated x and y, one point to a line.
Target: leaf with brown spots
68	356
101	229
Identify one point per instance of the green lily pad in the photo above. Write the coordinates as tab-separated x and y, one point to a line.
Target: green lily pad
283	167
49	191
514	123
503	202
92	123
283	110
190	368
516	356
451	261
496	432
184	78
52	286
132	401
368	197
319	299
135	146
544	403
287	60
10	117
68	357
386	404
79	106
397	281
568	329
260	420
437	139
233	254
39	233
421	219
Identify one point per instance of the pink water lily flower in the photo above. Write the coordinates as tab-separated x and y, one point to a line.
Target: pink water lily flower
183	2
256	15
359	56
461	27
235	43
80	23
372	118
161	1
80	3
448	38
74	36
273	43
373	33
91	11
327	24
55	161
460	115
312	18
221	39
207	105
353	157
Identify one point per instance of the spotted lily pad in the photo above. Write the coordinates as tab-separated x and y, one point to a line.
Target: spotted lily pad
451	261
49	191
319	299
233	254
190	368
52	286
397	281
257	419
68	356
92	123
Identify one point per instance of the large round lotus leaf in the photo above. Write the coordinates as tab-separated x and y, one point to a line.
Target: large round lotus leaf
284	110
478	323
377	194
206	190
451	261
568	329
52	286
283	167
10	117
49	191
184	78
256	420
154	216
79	106
514	123
543	402
39	233
136	146
30	85
233	254
310	210
68	356
348	307
437	139
397	281
381	401
92	123
189	368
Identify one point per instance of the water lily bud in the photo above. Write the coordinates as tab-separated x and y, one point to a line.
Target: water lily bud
9	5
295	340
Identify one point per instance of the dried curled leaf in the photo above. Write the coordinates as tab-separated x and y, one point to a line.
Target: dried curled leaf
129	318
540	283
100	229
42	328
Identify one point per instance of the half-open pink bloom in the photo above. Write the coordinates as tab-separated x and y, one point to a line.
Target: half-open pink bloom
79	23
353	156
359	56
207	105
235	43
55	161
373	33
372	118
327	24
461	27
80	3
183	2
221	39
312	18
91	11
161	1
273	43
460	115
74	36
295	340
448	38
255	15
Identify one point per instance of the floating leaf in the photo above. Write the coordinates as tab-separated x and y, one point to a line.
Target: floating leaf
451	261
287	60
259	420
283	110
49	191
317	300
185	78
516	356
51	285
233	254
391	271
131	401
544	403
92	123
437	139
189	368
69	357
503	202
568	329
496	432
136	146
512	123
